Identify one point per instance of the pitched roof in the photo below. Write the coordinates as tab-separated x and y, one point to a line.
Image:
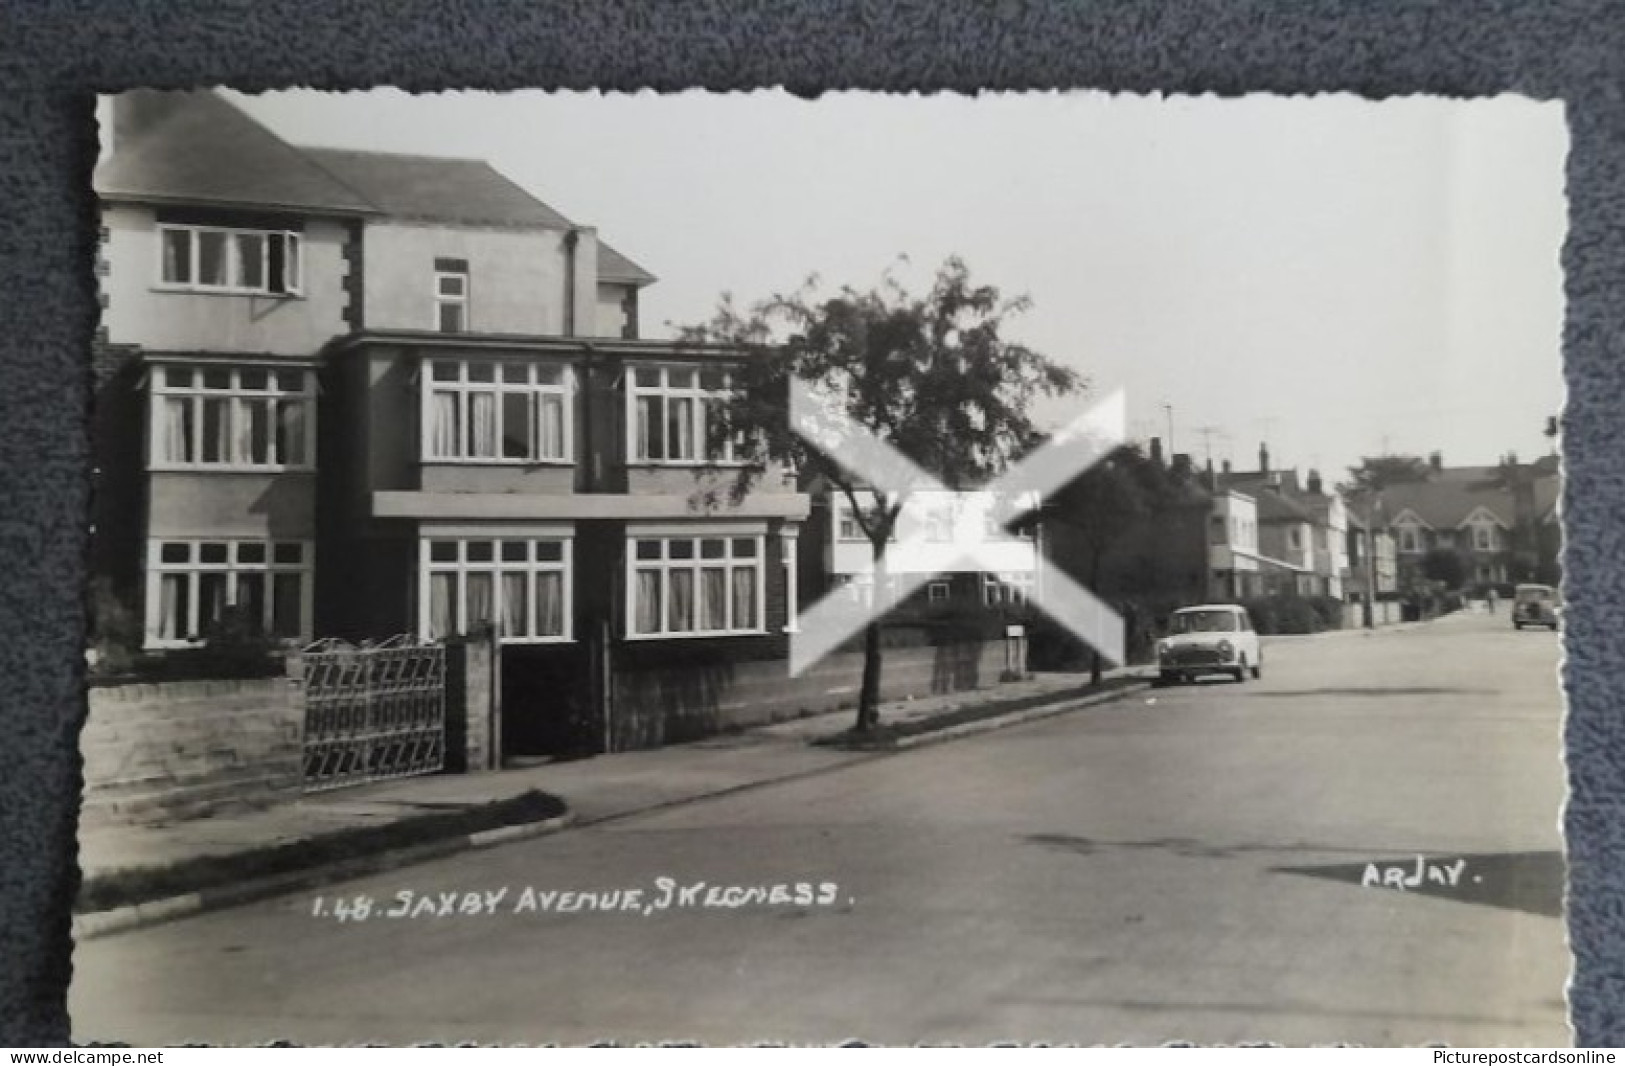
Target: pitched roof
199	148
196	147
1447	498
613	266
435	189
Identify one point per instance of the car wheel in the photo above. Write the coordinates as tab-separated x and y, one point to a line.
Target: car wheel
1258	669
1240	673
1517	625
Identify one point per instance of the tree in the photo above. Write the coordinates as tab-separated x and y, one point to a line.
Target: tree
930	374
1376	473
1100	508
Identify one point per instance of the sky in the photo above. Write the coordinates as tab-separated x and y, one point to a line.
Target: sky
1333	276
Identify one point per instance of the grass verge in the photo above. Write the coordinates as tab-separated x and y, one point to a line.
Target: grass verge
123	888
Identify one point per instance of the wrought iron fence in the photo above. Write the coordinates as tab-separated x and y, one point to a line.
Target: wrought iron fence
373	711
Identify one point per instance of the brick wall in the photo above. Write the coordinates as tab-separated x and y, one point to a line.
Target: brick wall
651	707
161	752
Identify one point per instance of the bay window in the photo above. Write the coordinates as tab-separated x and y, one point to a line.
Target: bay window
496	412
218	259
695	585
193	585
520	582
673	412
252	418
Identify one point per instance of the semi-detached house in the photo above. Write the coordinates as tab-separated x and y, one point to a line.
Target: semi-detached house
348	394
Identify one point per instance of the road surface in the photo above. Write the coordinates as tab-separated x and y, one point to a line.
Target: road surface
1191	863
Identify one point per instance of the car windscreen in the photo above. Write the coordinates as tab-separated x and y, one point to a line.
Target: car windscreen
1534	594
1203	622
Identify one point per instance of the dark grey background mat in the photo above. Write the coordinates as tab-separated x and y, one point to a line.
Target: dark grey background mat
54	53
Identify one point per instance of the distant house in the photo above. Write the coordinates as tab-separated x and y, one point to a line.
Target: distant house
1303	530
837	555
1501	520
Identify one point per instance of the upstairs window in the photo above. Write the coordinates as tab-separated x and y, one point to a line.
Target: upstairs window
216	259
488	411
252	418
674	410
451	295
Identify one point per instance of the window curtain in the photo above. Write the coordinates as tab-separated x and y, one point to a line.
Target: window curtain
681	617
648	426
176	429
288	605
480	607
442	615
172	607
551	437
680	428
482	425
714	598
443	428
253	432
647	601
744	597
217	430
249	252
178	256
290	432
211	602
550	605
515	605
251	601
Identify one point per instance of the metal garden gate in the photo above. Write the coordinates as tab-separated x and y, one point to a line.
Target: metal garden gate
373	711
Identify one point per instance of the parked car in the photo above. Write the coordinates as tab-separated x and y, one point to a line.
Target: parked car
1214	638
1536	605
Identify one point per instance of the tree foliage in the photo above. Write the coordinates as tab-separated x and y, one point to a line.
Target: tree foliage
1376	473
932	373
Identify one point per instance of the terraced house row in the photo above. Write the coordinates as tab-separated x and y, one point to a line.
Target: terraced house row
346	394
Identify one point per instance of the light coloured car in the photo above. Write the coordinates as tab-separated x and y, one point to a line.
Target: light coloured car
1213	638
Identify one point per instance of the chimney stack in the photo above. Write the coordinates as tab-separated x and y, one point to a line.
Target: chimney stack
1226	467
1314	482
1263	459
1436	461
1156	450
1181	465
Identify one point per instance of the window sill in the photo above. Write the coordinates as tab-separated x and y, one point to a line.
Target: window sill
206	290
225	468
687	464
499	462
697	636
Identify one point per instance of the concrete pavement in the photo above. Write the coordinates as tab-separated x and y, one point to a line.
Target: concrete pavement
1208	862
597	789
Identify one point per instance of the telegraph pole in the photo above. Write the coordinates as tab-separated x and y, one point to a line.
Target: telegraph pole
1169	408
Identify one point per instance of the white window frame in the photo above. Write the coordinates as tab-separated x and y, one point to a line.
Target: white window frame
531	566
238	402
534	387
792	606
194	569
1410	540
938	592
1484	538
666	392
1009	587
666	535
292	261
461	301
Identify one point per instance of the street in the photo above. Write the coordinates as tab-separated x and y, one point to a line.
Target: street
1191	863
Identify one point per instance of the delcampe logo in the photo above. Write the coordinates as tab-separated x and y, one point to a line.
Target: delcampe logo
1085	441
